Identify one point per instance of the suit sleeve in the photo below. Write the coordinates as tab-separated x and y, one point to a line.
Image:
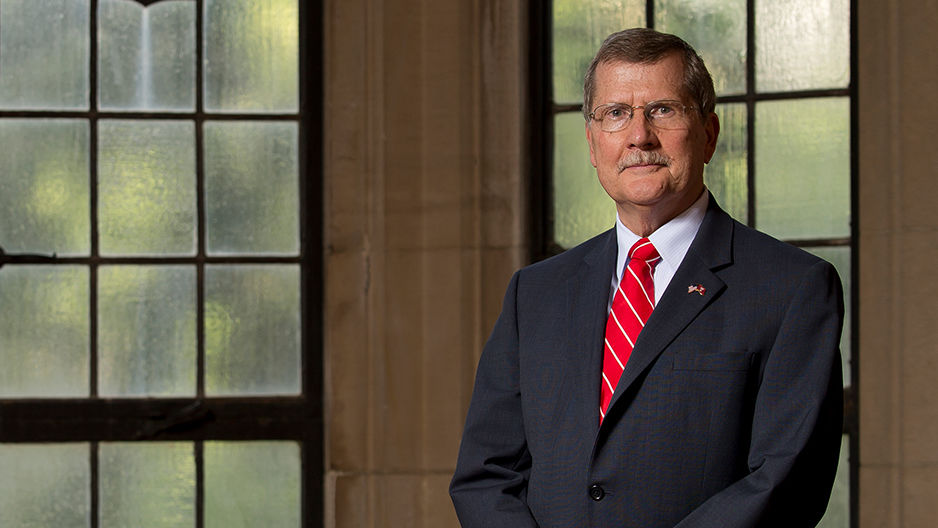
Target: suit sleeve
490	483
797	421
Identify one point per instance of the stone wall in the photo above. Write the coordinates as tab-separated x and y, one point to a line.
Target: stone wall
425	221
898	193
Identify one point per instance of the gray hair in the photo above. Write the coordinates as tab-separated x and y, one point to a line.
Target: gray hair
647	46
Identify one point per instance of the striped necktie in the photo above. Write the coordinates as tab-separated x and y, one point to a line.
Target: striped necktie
632	304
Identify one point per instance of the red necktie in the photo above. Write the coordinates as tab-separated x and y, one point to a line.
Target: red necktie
631	306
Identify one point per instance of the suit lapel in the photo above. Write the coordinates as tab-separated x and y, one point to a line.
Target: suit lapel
679	306
588	295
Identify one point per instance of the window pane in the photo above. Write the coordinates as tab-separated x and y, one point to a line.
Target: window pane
251	55
802	44
251	198
579	28
45	54
45	204
146	55
147	187
45	485
252	330
250	484
146	330
803	163
717	30
725	175
147	484
838	509
840	258
581	206
43	331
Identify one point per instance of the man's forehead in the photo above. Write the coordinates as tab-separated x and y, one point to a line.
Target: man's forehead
662	74
673	61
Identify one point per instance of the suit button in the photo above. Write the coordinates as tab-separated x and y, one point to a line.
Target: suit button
597	492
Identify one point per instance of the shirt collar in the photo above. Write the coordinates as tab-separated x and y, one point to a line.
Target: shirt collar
672	240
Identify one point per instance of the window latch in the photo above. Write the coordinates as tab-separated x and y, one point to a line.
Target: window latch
189	417
25	258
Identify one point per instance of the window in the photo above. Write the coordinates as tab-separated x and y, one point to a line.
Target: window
785	158
160	263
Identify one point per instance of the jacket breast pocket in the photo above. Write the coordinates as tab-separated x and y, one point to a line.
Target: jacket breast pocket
709	408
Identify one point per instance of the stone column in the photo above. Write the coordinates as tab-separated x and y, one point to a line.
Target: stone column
898	244
425	221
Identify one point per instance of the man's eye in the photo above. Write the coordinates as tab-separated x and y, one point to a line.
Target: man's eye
616	113
663	110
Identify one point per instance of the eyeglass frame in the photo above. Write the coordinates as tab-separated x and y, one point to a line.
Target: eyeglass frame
684	108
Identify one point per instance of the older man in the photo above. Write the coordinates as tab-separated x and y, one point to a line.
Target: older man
680	369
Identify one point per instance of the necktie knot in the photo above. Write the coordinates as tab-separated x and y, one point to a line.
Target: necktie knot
644	250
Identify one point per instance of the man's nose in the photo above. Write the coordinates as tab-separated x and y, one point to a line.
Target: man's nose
641	134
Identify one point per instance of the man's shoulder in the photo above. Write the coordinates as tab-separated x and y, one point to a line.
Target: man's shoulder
772	257
750	240
590	252
745	253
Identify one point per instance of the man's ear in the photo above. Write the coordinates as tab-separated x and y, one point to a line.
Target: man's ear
589	139
712	131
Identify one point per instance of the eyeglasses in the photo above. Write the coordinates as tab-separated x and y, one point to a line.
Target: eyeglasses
666	115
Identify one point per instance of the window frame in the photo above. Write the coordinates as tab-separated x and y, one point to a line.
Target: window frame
541	111
198	419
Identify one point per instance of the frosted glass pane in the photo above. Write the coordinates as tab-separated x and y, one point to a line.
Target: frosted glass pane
717	30
44	329
146	55
146	330
581	206
43	486
250	484
147	187
45	204
251	55
579	28
838	509
252	329
44	62
251	199
803	168
802	44
725	175
147	484
840	258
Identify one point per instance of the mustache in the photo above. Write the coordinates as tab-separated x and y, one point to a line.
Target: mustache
643	158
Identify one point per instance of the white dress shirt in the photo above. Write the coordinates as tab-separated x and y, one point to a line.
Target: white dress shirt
672	240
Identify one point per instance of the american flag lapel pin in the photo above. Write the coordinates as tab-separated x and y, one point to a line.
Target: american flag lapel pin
696	288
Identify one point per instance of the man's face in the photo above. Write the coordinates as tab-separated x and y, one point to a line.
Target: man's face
645	169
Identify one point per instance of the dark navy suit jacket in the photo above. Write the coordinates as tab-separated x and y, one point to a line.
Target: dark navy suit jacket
728	414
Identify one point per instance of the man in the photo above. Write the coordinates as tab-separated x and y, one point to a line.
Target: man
680	369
